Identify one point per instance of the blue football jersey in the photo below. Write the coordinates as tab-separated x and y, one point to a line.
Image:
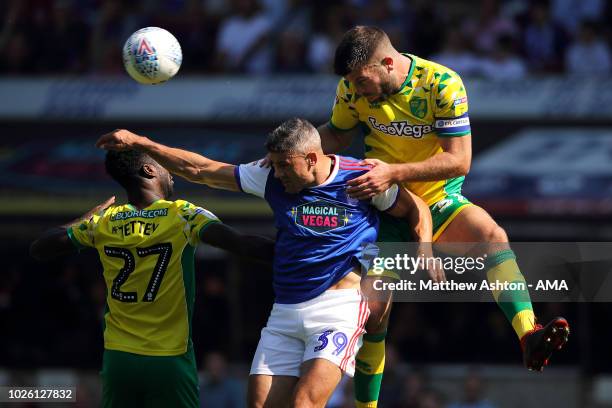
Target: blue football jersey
321	230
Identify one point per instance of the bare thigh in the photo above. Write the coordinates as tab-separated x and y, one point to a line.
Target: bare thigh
267	391
476	231
317	383
379	303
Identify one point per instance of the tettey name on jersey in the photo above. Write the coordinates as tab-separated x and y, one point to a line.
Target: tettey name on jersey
135	227
320	216
401	128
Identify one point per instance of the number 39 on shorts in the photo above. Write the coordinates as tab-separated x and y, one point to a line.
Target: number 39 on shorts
339	341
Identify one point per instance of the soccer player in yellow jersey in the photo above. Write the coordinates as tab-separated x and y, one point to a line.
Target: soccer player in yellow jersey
414	114
146	248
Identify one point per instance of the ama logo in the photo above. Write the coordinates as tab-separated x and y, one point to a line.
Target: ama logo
320	216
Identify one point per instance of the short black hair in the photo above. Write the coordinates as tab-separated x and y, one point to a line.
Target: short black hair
357	48
293	135
125	166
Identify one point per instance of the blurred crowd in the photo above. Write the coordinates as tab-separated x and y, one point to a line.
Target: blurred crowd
488	38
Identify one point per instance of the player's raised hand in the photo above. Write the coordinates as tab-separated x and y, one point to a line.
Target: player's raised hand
118	139
377	180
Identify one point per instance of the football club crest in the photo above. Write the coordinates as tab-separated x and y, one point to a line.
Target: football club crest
418	107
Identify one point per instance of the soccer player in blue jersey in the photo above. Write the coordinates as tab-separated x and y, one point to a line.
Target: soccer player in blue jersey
316	325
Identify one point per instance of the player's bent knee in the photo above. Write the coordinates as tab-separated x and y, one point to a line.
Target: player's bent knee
303	400
497	234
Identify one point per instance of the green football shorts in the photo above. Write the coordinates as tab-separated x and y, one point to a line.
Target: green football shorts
392	229
133	380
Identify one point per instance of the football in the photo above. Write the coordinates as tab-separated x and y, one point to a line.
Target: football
152	55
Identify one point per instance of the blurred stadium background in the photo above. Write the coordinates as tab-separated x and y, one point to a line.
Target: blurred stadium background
538	81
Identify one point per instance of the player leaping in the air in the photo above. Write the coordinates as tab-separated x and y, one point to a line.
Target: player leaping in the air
147	248
417	133
318	318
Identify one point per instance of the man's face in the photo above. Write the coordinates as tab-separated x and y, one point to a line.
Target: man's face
293	170
373	81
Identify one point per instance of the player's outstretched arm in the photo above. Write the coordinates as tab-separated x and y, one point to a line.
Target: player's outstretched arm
253	247
55	242
453	161
51	244
191	166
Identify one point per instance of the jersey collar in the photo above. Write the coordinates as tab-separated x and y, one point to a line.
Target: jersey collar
410	72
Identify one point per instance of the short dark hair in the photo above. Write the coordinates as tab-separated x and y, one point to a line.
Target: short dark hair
357	47
293	135
125	166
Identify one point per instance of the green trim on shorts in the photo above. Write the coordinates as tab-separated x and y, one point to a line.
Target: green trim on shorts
445	208
132	380
393	229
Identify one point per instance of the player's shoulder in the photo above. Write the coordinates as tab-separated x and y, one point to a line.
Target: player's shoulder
189	210
182	206
352	166
432	70
115	212
256	166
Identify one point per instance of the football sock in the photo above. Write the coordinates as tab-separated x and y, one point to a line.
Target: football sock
370	364
516	304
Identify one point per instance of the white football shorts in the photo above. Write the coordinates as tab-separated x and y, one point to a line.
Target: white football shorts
329	326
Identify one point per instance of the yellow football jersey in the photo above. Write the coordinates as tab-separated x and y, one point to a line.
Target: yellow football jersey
148	261
404	128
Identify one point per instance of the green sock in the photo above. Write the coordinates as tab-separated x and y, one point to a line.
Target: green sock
370	364
516	304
